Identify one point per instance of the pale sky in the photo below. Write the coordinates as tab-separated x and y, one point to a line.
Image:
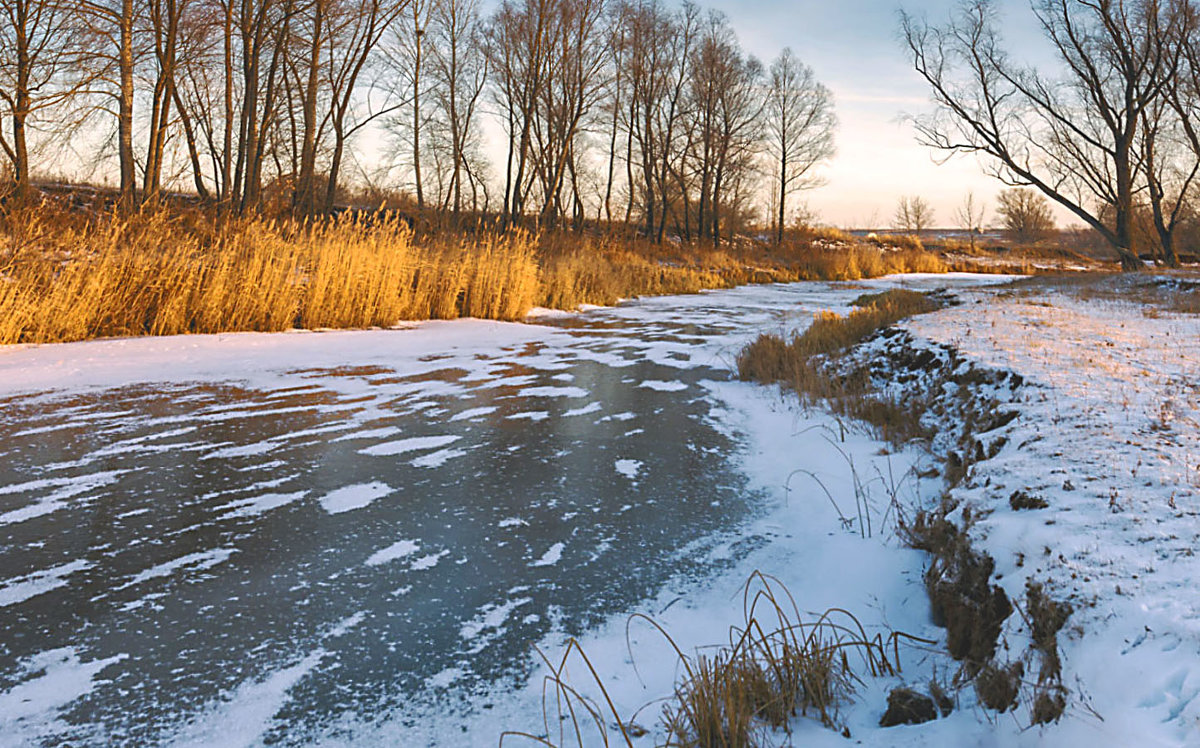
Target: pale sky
854	48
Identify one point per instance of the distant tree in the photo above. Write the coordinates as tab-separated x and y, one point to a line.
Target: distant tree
1025	215
913	214
800	127
969	216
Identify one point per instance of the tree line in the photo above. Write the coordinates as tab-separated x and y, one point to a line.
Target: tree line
1108	128
634	111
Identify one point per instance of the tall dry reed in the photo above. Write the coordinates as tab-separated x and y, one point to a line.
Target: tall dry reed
154	276
72	276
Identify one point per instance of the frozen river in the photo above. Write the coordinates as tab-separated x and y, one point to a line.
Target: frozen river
283	538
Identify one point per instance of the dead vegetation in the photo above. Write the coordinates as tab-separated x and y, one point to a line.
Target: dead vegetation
73	274
801	363
775	667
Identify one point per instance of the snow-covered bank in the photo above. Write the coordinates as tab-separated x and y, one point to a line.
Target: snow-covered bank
1109	437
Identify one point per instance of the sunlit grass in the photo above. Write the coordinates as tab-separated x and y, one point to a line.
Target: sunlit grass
155	277
67	276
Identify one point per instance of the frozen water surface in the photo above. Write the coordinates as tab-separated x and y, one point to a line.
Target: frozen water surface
266	538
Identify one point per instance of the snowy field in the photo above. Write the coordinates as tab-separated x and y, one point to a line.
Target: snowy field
354	538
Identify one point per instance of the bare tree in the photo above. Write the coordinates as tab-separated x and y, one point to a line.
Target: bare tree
800	125
165	24
575	84
1025	215
41	61
519	49
458	70
358	29
115	22
405	59
1071	134
913	214
970	215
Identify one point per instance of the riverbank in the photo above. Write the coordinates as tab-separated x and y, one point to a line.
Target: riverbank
69	276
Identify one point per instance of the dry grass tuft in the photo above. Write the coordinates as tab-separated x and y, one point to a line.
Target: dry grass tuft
771	359
798	363
775	667
999	687
74	274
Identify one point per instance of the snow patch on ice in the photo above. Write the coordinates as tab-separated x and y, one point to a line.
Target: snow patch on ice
629	468
661	386
445	678
428	562
488	623
394	551
471	413
571	392
380	433
67	488
28	711
349	498
438	458
246	713
256	505
199	561
585	410
535	416
344	626
550	557
413	444
21	589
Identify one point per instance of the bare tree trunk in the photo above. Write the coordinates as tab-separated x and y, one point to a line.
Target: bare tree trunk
302	198
125	108
418	47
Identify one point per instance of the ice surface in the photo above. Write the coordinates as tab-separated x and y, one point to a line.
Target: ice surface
322	631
